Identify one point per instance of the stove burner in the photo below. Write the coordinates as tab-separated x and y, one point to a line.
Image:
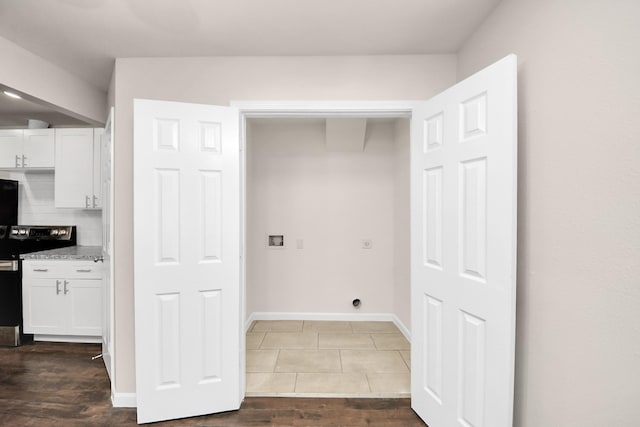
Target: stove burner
33	232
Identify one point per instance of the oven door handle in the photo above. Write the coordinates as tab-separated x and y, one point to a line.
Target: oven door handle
9	265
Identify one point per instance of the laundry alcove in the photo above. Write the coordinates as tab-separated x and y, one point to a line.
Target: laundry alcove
337	189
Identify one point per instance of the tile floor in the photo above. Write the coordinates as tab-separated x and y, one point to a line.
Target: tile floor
331	359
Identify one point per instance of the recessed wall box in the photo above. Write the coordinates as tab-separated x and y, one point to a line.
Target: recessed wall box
275	241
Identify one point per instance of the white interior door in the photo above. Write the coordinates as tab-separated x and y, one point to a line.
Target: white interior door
463	250
187	259
106	160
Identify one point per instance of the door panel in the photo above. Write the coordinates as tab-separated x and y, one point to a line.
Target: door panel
463	207
211	315
432	213
187	259
433	352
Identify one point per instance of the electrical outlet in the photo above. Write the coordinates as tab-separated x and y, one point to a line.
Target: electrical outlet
367	244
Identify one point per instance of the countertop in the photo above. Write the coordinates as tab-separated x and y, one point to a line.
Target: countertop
70	253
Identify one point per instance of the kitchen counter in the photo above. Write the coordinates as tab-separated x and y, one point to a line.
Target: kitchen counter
69	253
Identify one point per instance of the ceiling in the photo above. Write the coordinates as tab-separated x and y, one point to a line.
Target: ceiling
85	36
16	113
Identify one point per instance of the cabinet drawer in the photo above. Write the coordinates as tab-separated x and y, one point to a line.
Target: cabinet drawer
34	269
84	270
62	269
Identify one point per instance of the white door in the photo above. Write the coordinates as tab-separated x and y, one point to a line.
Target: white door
187	259
107	247
463	251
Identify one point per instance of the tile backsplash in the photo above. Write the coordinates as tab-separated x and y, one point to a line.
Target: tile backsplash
36	207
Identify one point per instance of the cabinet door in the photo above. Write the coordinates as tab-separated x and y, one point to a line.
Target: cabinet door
85	298
11	148
74	168
97	167
38	150
44	306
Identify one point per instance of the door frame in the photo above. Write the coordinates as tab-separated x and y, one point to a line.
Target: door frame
296	109
109	308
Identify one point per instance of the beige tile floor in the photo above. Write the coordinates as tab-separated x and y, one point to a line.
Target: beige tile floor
332	359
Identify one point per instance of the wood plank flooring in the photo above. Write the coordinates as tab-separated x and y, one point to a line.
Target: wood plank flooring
56	384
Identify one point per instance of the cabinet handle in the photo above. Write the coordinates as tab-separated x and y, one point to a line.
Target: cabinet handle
87	200
95	201
24	161
57	287
17	161
87	270
41	270
66	290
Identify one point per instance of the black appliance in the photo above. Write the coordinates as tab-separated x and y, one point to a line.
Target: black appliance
14	241
8	202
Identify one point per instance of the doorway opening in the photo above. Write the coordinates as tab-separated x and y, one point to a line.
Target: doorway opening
328	306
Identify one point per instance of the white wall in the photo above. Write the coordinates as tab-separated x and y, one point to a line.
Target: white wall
36	206
578	342
218	80
330	200
48	84
401	223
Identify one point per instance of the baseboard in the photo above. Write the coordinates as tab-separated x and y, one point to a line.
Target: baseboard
68	338
123	400
106	359
403	328
343	317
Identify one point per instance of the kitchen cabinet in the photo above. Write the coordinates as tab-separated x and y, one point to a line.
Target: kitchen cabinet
27	148
62	298
78	171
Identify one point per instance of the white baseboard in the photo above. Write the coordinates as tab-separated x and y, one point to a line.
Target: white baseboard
123	400
403	328
68	338
343	317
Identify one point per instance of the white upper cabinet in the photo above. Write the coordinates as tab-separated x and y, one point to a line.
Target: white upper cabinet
11	148
38	148
27	148
77	180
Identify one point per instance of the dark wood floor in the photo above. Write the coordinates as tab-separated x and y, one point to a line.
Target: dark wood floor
50	384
